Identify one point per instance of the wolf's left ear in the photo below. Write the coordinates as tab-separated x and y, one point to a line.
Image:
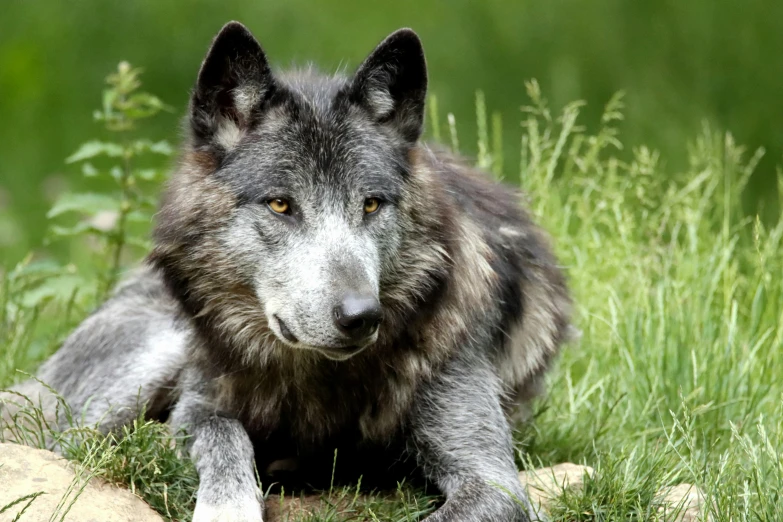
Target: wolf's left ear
234	79
391	84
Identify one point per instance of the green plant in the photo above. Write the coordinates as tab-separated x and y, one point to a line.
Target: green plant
110	216
109	222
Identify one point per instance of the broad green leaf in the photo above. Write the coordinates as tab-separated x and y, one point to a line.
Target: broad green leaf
41	268
148	203
149	174
159	147
89	170
80	228
139	216
139	242
109	97
116	173
162	147
59	287
91	149
85	203
147	100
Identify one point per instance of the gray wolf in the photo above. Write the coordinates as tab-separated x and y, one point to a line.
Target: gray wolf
320	279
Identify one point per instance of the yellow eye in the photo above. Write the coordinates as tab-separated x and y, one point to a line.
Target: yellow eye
280	206
371	205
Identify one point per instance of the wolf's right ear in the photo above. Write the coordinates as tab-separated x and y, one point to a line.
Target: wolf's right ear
233	81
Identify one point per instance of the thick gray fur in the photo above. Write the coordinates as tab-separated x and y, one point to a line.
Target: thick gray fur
229	329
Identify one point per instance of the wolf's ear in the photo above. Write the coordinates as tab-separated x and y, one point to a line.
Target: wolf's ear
234	79
392	84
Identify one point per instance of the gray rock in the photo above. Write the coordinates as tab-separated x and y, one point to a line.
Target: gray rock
545	484
56	485
682	503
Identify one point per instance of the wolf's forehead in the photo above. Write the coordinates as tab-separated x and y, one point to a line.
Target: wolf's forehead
305	148
312	88
323	143
323	137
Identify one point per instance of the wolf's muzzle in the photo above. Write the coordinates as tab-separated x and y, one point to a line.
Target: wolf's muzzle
358	316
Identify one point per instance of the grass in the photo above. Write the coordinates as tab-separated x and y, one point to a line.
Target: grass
676	377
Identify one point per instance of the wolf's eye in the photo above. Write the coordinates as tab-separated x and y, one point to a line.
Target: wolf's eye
371	205
279	206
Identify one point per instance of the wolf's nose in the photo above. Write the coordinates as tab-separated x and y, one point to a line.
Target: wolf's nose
357	316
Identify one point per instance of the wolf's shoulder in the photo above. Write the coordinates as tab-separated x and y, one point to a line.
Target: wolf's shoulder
144	289
498	209
526	285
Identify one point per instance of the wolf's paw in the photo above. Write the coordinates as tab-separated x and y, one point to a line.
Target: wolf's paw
249	512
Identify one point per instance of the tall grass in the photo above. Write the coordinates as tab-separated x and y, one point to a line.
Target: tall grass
677	376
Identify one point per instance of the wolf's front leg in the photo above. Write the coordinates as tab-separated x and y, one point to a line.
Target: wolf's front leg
223	454
462	441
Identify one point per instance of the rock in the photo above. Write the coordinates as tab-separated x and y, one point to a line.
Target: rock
26	471
682	503
545	484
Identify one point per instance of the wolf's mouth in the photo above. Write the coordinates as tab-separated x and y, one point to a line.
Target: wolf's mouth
334	353
291	338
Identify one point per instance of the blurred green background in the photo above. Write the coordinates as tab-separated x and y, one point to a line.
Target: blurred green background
680	62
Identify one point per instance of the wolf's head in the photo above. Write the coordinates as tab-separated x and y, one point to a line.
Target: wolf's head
315	169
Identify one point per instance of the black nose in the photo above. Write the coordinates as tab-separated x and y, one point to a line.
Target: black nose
358	315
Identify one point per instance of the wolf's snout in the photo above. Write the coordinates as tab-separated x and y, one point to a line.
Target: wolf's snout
357	316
